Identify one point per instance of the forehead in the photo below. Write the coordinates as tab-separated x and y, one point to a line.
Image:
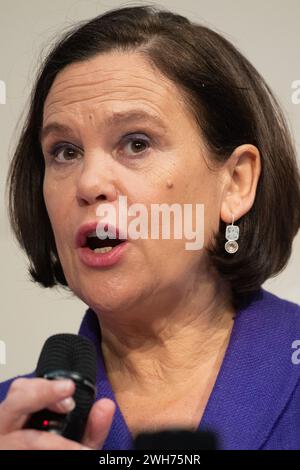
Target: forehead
110	80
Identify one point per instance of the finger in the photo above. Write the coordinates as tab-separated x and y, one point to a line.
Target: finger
27	396
64	406
99	423
29	439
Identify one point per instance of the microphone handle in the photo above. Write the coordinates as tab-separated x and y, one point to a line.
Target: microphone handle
71	425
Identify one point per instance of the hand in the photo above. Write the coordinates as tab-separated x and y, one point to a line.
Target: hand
26	396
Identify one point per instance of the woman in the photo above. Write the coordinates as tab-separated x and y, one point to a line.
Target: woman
185	338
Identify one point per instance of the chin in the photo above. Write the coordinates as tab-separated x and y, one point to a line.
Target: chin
103	298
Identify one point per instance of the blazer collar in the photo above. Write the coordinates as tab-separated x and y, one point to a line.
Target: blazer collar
119	436
257	376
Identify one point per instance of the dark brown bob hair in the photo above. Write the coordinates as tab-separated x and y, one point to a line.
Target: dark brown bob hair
232	105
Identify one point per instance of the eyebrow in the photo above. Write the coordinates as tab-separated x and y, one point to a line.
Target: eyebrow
114	119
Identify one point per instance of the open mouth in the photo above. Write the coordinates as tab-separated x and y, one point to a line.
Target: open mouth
102	246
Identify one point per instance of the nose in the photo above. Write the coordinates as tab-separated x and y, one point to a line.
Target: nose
95	182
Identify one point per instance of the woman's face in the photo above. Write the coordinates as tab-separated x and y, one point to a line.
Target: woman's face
99	163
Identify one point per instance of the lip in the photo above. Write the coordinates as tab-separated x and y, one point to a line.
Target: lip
95	260
85	229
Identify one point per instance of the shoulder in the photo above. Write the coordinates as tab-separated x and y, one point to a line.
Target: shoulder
256	398
272	337
280	303
4	386
272	313
283	314
268	328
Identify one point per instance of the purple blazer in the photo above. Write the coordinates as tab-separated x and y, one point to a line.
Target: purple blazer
255	402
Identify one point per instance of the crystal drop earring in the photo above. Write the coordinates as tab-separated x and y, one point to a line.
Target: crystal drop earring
232	234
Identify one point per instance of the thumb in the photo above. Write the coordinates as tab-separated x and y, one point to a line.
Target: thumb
99	423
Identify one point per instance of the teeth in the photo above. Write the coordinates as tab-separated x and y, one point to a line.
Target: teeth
105	249
92	234
108	235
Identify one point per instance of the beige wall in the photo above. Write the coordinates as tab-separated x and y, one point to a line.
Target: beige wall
267	32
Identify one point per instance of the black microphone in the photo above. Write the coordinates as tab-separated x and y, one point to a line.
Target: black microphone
176	439
67	356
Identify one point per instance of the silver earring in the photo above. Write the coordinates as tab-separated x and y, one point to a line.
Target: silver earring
232	234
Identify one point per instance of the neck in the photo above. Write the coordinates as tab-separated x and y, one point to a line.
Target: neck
181	339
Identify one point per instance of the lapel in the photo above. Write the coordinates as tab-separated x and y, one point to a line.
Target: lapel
257	376
119	437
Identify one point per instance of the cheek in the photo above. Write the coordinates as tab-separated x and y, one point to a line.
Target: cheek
57	204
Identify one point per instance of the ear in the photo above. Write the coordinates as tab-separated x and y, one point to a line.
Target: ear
241	175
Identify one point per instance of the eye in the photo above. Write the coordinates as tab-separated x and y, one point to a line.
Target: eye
141	144
63	152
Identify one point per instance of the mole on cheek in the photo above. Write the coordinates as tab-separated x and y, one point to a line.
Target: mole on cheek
169	184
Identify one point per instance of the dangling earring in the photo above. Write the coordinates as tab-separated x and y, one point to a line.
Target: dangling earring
232	234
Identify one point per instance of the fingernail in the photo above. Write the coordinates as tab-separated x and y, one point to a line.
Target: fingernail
68	404
63	386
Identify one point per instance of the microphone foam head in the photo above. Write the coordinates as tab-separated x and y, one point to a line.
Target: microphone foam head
66	351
